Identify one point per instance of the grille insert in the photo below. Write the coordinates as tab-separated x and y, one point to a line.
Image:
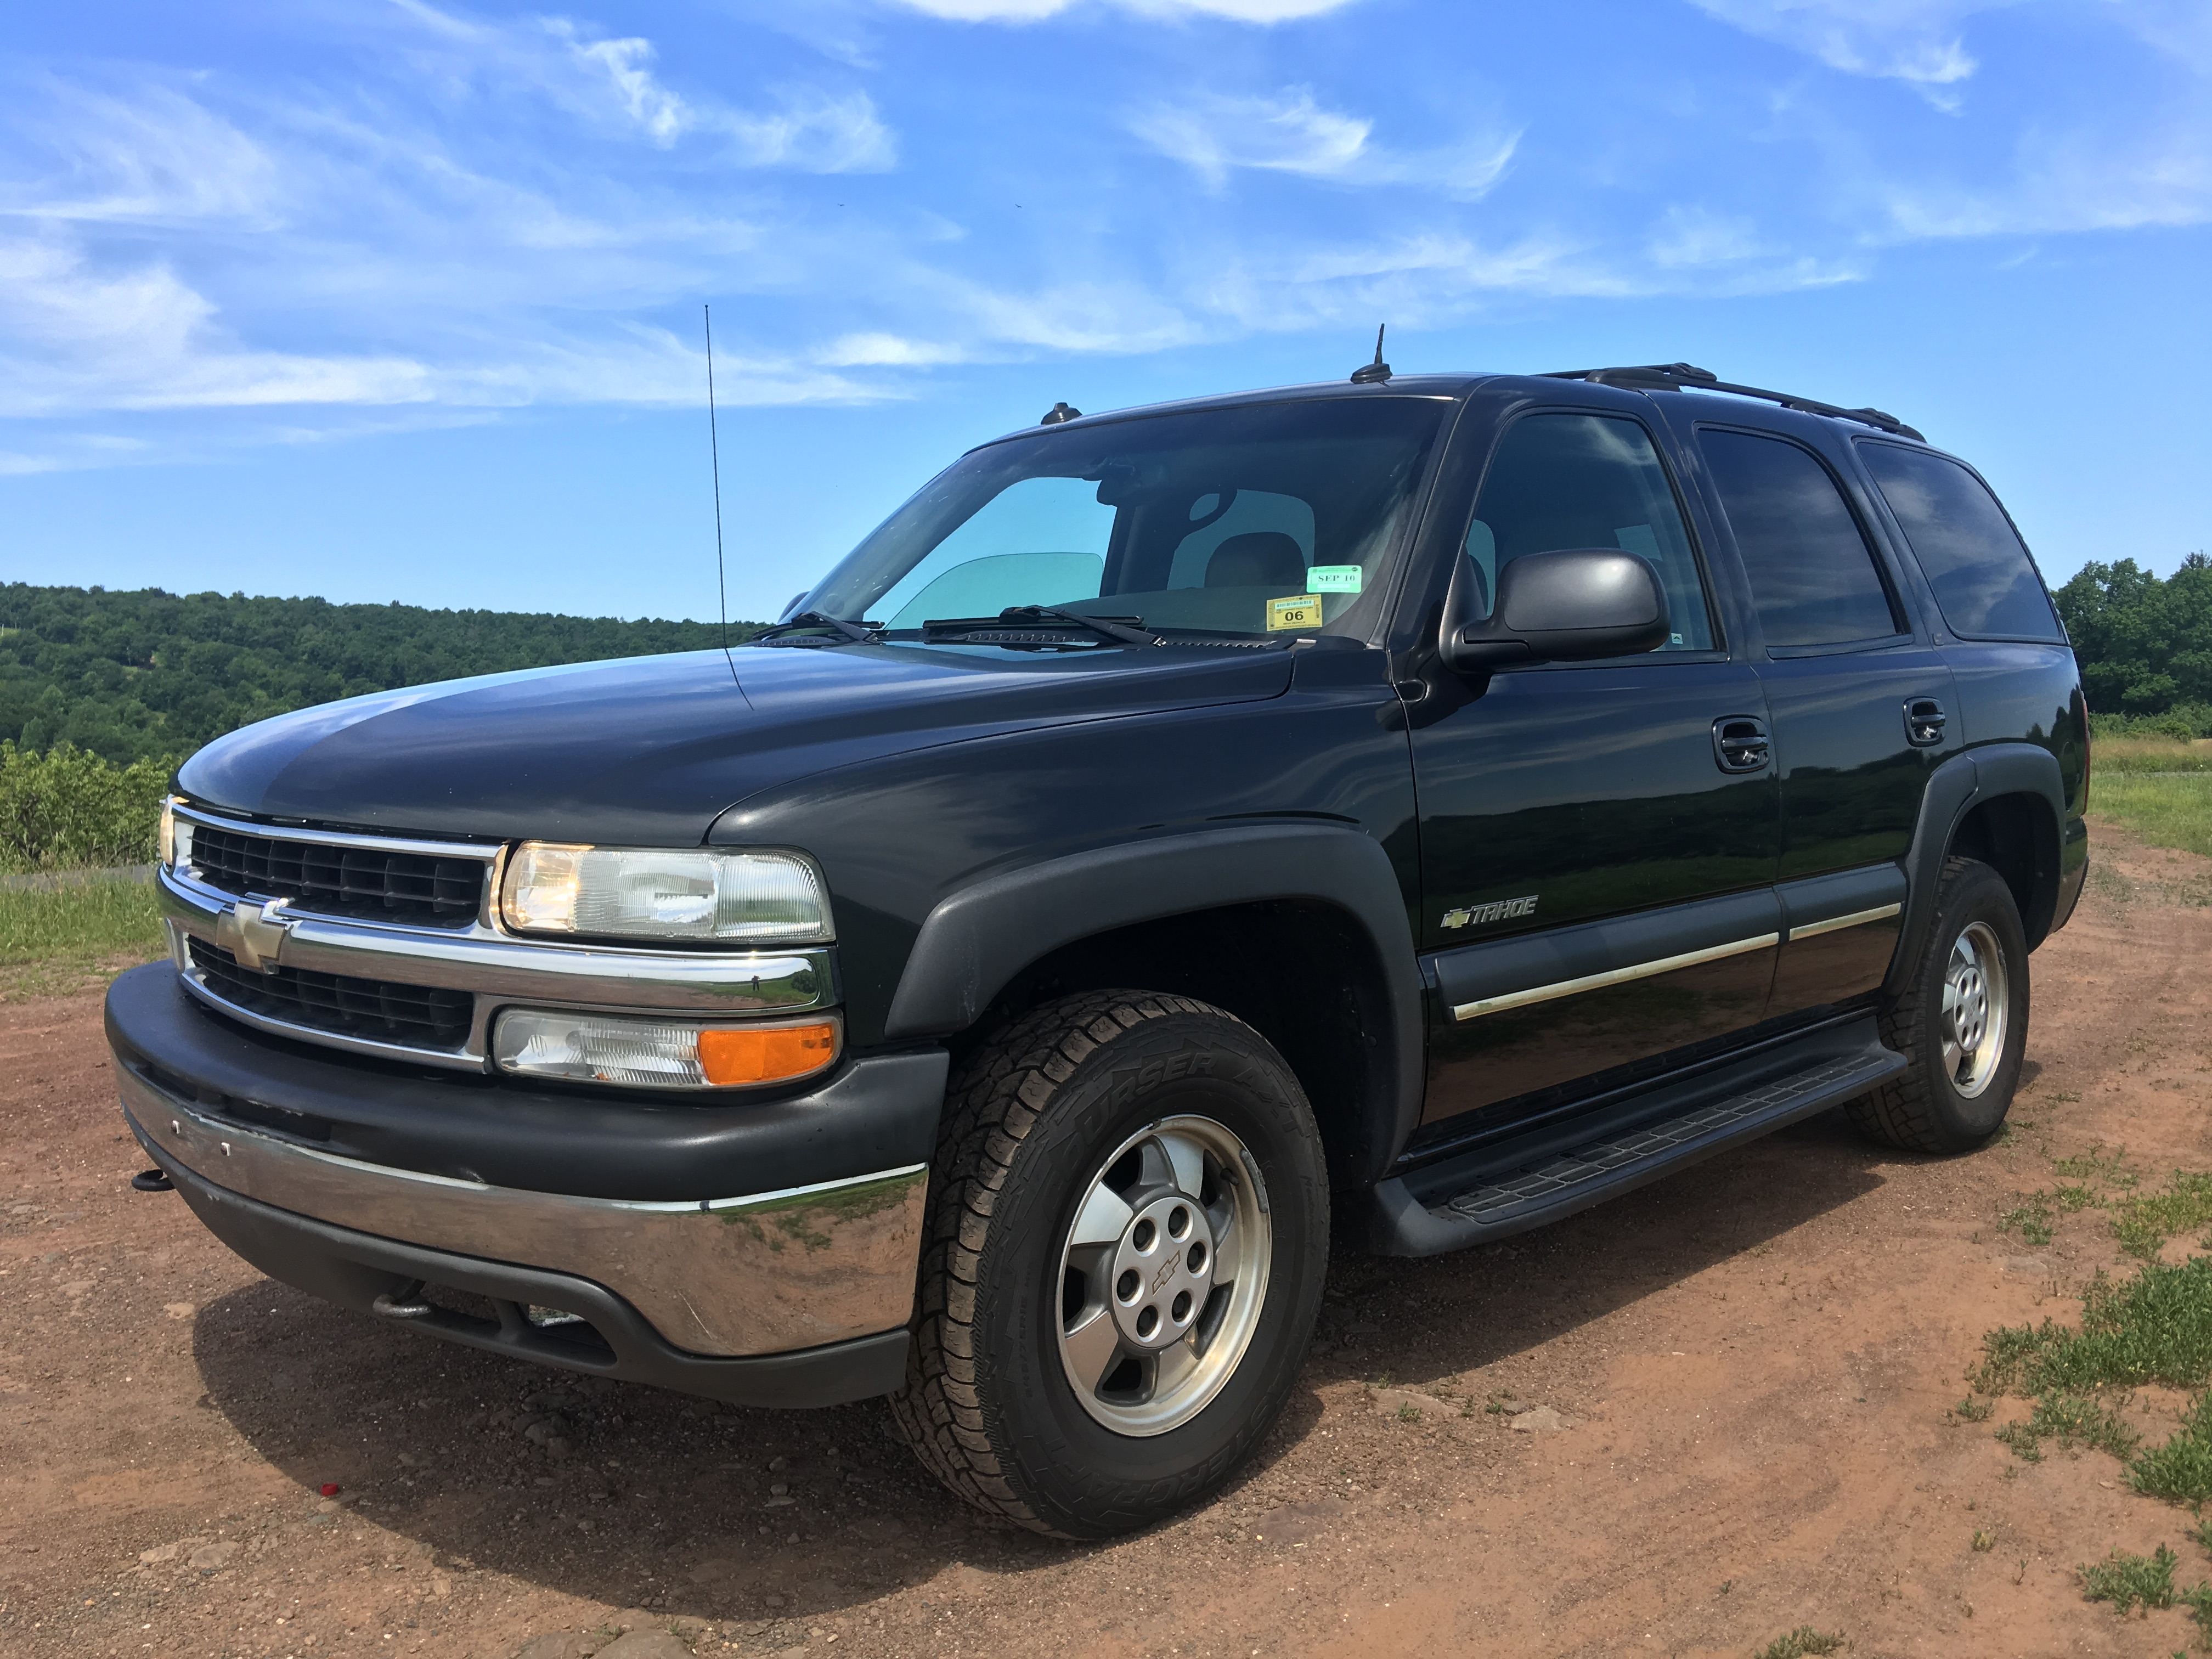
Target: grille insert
339	879
373	1010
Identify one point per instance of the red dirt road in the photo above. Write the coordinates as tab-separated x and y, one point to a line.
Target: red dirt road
1738	1381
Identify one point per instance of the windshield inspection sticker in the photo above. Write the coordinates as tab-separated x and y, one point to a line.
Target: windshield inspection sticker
1304	611
1333	577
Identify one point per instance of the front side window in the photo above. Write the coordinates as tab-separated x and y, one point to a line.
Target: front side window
1269	519
1813	576
1983	577
1569	481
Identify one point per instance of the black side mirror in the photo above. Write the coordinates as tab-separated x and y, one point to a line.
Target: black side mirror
1566	606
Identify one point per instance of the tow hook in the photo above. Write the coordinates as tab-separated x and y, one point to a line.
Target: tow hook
152	1181
405	1303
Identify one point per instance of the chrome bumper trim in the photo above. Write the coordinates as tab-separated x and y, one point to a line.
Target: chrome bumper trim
758	1274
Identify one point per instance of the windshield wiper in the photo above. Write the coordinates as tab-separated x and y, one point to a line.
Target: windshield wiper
847	633
1028	625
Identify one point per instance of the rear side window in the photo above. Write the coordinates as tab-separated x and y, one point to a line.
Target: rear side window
1967	547
1563	481
1813	576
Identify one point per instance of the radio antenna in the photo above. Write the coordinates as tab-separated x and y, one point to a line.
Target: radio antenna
714	451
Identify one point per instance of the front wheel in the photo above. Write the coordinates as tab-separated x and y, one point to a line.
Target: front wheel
1960	1021
1129	1228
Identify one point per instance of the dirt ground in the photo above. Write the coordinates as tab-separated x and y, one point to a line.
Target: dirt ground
1730	1394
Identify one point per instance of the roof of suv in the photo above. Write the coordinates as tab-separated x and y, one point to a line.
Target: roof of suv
1650	377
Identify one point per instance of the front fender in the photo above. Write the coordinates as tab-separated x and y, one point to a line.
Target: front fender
976	940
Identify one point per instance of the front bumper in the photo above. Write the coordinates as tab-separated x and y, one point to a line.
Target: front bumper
352	1179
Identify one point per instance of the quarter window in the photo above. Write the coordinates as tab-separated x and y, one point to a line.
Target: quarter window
1813	576
1565	481
1967	547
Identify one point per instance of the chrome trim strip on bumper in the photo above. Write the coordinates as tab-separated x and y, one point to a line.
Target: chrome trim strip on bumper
761	1273
1857	918
1567	988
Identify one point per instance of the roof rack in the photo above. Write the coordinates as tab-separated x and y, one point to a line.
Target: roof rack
1678	377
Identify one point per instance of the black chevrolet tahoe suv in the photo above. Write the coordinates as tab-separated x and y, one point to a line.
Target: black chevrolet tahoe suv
1425	807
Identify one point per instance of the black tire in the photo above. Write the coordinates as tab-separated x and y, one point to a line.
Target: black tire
1922	1108
1031	1114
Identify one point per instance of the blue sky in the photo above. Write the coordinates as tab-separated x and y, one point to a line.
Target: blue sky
389	299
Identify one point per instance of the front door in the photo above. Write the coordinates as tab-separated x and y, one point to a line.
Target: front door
1598	841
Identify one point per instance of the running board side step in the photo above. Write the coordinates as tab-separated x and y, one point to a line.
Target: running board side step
1482	1204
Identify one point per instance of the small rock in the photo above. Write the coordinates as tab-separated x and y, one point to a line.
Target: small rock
688	1627
1395	1402
542	1480
559	1644
408	1458
210	1558
778	1503
162	1554
647	1644
178	1310
76	1287
775	1463
327	1506
772	1600
1538	1419
779	1488
536	1434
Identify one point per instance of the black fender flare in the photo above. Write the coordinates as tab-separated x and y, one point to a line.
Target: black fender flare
977	938
1954	789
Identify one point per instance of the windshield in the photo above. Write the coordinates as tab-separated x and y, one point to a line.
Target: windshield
1265	520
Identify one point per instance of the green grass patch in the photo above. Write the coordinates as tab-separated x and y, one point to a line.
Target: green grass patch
2143	1223
1803	1643
2030	1218
2163	811
2138	753
2072	1420
2180	1471
76	935
2131	1581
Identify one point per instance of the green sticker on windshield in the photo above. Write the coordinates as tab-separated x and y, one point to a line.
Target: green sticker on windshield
1331	579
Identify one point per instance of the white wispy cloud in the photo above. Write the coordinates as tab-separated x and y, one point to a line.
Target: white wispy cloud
1918	41
2069	180
1292	133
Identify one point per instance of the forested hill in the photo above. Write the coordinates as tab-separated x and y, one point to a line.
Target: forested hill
150	673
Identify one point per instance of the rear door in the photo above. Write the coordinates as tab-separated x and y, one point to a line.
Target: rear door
1597	869
1863	704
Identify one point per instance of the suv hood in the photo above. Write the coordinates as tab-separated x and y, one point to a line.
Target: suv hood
649	751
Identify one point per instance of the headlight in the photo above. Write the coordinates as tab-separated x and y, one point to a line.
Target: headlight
174	846
662	1054
643	892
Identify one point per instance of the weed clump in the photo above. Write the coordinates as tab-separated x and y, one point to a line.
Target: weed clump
2143	1223
2155	1327
2180	1471
1803	1643
2126	1580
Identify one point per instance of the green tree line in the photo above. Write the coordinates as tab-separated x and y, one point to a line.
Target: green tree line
148	674
2144	643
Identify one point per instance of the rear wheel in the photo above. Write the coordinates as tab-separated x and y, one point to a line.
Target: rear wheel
1961	1022
1128	1232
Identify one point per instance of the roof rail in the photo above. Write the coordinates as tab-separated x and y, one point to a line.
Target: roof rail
1680	377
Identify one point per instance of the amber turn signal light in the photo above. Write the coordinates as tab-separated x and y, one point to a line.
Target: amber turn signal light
767	1053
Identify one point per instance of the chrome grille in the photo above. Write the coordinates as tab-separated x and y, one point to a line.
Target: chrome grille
340	879
369	1010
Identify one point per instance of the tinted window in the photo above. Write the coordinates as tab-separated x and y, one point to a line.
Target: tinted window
1976	564
1813	576
1561	480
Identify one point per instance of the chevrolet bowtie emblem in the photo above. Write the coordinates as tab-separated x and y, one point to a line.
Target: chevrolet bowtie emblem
254	933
